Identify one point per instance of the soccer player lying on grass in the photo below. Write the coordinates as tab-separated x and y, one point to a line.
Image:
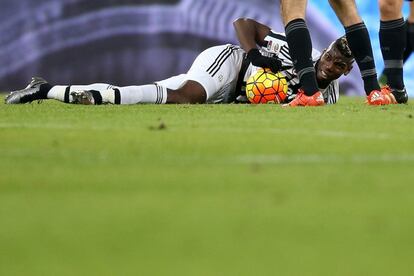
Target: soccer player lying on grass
218	74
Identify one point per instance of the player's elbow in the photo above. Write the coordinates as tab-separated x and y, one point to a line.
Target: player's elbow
241	20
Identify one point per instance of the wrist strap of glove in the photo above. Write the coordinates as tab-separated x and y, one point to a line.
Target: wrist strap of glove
253	54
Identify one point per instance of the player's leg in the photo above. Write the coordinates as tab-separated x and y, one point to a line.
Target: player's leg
190	92
359	41
40	89
97	93
393	41
101	93
409	48
300	44
37	89
411	24
410	33
210	77
67	93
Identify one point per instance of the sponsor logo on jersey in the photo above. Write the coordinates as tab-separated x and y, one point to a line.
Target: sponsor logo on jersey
273	47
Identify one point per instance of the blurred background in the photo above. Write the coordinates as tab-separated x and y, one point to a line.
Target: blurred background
125	42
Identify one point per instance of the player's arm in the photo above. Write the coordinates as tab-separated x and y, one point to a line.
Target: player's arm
251	33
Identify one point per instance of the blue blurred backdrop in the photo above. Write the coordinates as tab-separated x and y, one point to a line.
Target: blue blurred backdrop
126	42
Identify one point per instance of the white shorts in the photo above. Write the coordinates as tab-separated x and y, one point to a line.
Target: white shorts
216	69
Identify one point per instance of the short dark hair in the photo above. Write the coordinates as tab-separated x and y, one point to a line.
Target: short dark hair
342	45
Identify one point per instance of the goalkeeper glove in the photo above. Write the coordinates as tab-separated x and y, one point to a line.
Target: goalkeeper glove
257	59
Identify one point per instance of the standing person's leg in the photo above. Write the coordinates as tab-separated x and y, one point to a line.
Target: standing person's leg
300	48
359	41
300	43
410	33
393	41
409	47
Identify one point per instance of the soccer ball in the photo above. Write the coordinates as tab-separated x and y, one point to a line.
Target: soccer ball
266	87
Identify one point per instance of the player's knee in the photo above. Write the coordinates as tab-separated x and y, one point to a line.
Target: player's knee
291	10
346	11
192	98
180	98
388	8
185	95
290	16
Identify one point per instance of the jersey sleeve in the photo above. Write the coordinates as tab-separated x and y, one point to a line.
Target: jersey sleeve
276	46
274	43
331	93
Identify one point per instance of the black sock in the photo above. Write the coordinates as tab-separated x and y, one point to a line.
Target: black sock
44	89
96	96
360	44
410	40
409	47
392	36
410	30
300	49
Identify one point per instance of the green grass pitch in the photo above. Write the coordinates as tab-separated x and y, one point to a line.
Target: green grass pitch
206	190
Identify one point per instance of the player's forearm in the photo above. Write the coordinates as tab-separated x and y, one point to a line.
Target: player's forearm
246	33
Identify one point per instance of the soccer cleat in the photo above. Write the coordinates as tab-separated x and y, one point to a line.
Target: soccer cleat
30	93
381	97
82	97
304	100
401	96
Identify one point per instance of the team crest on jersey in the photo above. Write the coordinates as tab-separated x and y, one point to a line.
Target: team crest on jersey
273	47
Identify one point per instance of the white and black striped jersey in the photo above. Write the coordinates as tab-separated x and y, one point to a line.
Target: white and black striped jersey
277	46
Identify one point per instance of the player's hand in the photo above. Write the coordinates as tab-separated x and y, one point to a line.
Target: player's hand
257	59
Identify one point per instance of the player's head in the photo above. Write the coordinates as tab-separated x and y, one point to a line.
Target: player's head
335	61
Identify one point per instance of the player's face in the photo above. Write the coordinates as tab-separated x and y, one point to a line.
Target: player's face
332	65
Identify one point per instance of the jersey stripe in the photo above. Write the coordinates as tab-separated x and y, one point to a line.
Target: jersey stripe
285	52
222	62
277	36
159	94
67	92
117	96
221	58
332	96
217	58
